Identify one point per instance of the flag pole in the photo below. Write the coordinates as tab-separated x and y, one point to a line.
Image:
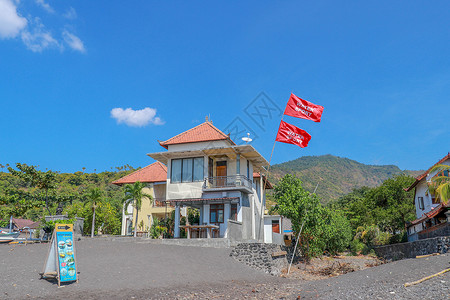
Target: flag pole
264	187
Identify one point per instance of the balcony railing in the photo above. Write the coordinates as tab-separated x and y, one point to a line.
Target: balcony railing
158	202
227	182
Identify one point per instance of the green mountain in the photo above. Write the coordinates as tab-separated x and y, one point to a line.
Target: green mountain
334	176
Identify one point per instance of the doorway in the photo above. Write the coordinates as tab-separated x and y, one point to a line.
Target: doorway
221	173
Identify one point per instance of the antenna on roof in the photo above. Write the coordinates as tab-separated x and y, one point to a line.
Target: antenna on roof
208	118
247	138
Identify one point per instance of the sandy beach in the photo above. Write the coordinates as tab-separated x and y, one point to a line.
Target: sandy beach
134	270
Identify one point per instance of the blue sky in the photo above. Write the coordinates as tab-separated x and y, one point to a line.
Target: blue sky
381	70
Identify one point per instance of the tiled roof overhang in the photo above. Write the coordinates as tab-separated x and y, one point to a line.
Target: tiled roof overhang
431	214
424	175
156	172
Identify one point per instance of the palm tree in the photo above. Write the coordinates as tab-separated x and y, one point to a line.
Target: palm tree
94	196
133	196
440	185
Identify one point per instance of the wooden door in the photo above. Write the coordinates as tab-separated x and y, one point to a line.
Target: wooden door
221	173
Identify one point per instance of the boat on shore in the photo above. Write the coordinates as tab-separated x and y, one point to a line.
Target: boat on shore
6	237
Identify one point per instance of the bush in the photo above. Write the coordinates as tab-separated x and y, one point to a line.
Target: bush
357	247
337	232
157	230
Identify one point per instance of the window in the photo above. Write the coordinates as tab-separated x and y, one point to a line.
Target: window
175	171
276	226
420	203
198	169
216	213
233	212
248	169
210	167
186	170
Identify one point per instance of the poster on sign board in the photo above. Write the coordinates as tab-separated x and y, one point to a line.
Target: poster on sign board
60	261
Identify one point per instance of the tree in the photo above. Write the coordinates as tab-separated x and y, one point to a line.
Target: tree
94	196
323	229
42	180
133	195
440	185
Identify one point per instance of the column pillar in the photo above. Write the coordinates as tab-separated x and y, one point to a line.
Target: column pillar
176	233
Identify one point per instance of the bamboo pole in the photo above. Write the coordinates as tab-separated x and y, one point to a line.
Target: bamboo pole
426	278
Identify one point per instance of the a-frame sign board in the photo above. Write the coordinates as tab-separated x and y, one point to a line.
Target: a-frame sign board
60	262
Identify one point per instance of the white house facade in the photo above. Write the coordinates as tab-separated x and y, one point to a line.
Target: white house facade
207	171
430	212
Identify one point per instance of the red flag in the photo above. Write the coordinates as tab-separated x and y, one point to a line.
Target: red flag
290	134
299	108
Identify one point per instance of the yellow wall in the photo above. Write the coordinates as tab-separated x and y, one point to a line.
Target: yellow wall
158	192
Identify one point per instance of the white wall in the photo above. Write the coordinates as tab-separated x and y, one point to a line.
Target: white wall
421	191
268	227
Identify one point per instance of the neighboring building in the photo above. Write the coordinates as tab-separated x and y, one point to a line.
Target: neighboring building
432	216
155	176
209	172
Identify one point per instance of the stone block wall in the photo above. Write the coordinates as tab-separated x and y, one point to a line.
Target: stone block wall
412	249
259	256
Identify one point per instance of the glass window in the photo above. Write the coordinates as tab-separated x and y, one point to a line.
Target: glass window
420	202
198	169
213	217
233	212
187	170
248	169
216	213
175	171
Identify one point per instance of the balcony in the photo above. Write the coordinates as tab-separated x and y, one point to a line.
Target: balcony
158	202
227	183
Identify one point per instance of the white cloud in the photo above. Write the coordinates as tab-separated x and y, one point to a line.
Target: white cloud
70	14
10	22
45	6
73	41
136	118
39	39
32	31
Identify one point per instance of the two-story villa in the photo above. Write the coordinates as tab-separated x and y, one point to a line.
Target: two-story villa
206	170
431	214
154	176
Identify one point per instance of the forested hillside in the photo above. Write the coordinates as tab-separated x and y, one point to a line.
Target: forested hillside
32	194
335	176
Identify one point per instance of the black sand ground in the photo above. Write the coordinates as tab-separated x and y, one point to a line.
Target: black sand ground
129	270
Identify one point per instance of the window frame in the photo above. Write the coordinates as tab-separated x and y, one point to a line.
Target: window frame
420	203
233	211
216	208
191	179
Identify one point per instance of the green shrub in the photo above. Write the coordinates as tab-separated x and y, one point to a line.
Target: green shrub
157	229
357	247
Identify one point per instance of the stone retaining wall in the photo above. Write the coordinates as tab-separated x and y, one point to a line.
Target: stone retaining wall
412	249
259	256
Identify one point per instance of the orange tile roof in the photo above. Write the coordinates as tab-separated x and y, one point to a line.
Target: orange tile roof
268	184
432	213
421	177
204	132
156	172
21	223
